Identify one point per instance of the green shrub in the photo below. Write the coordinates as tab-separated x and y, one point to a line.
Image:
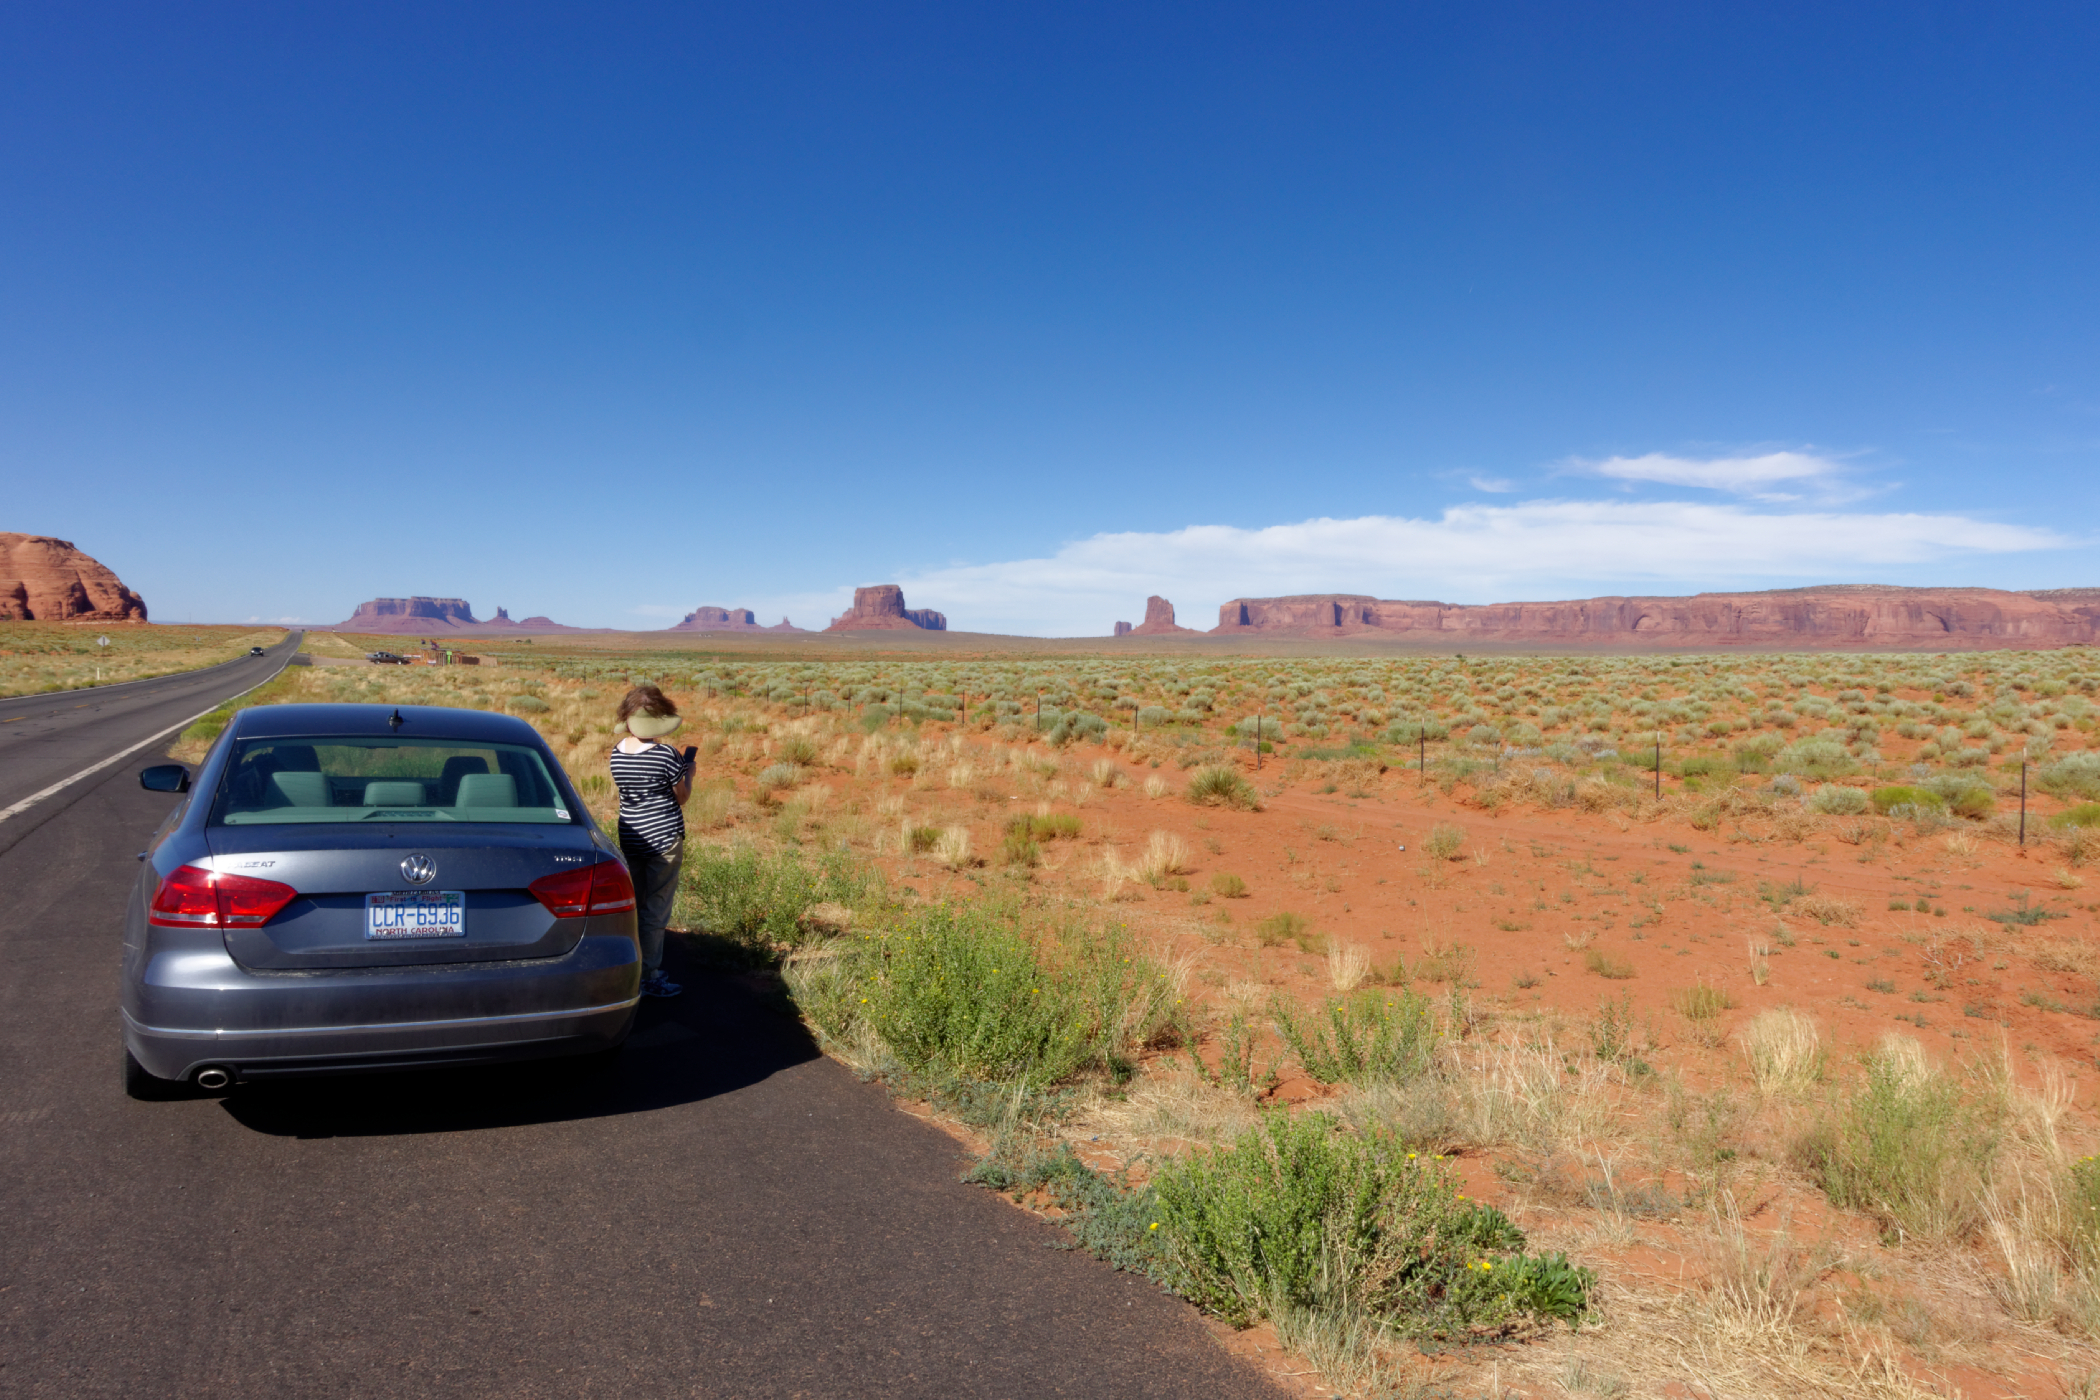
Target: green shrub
1019	846
1371	1038
2084	814
1222	786
924	839
1886	799
1834	800
1298	1216
1444	841
1280	928
904	765
963	991
2075	775
1964	794
528	704
1814	758
1912	1146
1607	966
796	748
1227	886
759	900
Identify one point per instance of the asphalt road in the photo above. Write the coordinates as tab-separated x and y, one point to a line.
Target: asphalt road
722	1212
46	738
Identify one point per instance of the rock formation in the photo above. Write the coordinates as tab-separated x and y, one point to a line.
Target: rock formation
1159	621
881	609
1861	615
427	616
1122	629
710	619
47	580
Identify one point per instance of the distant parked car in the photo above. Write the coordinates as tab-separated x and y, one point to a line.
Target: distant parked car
255	651
385	658
361	887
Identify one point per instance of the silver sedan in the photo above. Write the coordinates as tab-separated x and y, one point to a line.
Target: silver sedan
361	887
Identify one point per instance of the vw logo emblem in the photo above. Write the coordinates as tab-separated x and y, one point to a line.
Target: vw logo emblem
418	869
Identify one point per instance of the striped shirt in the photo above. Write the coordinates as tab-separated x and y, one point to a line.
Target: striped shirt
650	819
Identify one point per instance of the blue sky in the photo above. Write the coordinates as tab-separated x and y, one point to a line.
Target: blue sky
606	312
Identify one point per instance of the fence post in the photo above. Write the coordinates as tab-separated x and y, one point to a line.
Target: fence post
1658	770
2023	801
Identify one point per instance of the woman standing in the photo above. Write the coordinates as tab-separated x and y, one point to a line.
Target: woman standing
654	782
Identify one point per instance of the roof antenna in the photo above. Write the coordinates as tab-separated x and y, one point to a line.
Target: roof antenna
395	719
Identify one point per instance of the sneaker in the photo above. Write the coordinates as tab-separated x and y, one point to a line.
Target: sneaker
655	984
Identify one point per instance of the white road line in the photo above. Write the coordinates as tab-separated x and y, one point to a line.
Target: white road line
63	783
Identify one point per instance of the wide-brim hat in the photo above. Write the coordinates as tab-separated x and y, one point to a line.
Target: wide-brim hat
643	726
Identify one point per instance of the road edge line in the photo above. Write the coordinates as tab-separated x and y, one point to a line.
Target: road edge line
63	783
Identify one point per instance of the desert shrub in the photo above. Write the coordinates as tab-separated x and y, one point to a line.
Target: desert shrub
1165	854
2084	814
760	900
1371	1038
1445	841
796	748
963	991
923	838
1227	886
1018	846
1814	758
1605	965
1891	799
952	848
779	775
1834	800
904	765
1050	826
1701	1002
1280	928
1965	795
2075	775
1221	786
528	704
1912	1146
1297	1216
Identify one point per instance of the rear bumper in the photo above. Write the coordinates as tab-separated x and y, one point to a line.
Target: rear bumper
197	1008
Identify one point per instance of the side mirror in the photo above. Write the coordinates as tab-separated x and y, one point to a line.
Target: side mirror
165	777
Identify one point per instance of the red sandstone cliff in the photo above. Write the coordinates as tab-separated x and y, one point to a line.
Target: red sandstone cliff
881	609
47	580
1866	615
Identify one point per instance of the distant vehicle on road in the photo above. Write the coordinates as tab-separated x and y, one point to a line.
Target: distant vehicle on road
385	658
364	887
255	651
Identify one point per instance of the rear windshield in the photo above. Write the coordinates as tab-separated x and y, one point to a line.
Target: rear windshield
274	782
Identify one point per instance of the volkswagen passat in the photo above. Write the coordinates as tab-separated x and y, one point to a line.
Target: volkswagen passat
354	887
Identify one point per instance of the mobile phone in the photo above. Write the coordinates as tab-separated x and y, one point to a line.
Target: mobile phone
691	749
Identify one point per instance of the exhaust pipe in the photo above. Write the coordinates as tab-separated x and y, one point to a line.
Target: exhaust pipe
214	1077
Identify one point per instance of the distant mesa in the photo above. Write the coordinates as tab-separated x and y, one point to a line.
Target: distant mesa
881	609
727	620
49	580
1159	622
1834	615
430	616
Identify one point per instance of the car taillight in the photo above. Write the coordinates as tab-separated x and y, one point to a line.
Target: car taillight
611	889
193	897
588	889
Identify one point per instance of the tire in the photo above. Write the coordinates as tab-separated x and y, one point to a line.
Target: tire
149	1088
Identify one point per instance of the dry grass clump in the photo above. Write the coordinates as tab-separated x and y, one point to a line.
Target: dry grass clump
1165	854
1157	787
1348	967
1784	1051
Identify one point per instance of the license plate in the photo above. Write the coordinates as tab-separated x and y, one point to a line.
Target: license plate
416	914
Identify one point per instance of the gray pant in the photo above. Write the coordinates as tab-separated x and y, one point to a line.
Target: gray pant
655	891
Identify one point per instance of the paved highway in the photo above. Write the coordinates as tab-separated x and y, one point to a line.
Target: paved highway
722	1213
46	739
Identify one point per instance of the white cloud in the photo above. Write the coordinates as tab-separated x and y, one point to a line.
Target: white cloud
1758	476
1496	484
1470	554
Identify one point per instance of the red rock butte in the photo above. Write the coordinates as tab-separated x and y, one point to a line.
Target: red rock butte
881	609
428	616
1159	622
712	619
1862	615
49	580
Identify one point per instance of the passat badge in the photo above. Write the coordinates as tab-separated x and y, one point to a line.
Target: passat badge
418	869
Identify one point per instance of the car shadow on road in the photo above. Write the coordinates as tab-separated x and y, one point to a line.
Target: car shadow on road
728	1031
